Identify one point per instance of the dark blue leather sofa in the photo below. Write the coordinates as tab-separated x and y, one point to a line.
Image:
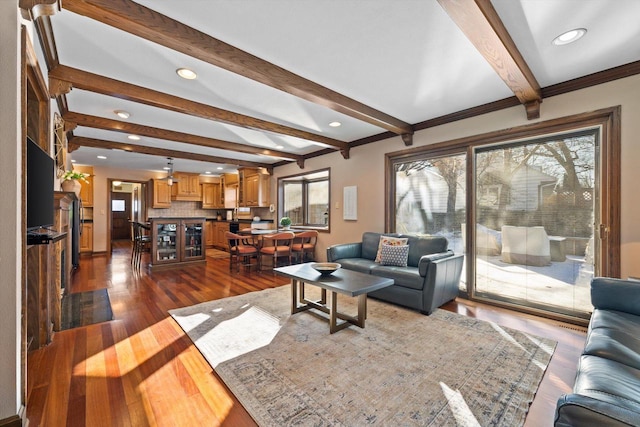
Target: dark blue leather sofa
430	279
607	386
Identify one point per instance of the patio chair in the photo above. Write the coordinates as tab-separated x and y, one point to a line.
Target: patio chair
525	245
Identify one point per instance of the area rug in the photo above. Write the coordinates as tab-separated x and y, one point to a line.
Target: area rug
85	308
402	369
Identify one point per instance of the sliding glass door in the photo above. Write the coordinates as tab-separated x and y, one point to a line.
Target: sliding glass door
534	217
535	209
430	198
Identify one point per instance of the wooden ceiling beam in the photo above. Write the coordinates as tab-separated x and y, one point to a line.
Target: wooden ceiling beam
482	25
81	141
95	122
157	28
85	80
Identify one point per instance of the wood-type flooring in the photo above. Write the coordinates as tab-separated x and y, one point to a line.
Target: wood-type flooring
140	369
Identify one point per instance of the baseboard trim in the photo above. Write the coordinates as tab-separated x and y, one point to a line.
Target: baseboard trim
12	421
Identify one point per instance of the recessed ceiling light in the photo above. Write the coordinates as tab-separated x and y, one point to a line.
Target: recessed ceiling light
186	73
102	157
73	161
207	172
279	147
166	168
335	124
134	137
569	36
219	168
122	114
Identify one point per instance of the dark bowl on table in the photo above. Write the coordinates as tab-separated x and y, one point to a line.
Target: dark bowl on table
325	268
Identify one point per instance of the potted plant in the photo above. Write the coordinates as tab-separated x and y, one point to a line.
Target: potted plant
71	181
285	222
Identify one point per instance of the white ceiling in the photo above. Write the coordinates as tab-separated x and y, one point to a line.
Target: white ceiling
406	58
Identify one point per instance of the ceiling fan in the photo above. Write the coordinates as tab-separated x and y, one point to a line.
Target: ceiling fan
169	178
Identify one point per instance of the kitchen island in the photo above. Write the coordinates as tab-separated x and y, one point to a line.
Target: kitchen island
177	242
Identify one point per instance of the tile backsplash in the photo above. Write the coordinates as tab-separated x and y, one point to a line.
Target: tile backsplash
180	209
186	210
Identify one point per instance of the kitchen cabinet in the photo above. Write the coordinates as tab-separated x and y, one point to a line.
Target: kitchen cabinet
186	187
86	238
160	194
210	233
213	195
177	242
86	190
220	237
254	188
230	179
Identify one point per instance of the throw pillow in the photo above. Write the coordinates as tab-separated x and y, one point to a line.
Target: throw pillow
394	255
391	241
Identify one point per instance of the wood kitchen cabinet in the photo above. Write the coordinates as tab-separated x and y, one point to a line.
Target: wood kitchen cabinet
220	238
254	188
86	191
186	187
160	195
210	234
213	195
86	238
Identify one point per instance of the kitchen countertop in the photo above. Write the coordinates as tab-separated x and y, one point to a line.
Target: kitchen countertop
242	221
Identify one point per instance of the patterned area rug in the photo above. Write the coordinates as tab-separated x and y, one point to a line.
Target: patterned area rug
404	368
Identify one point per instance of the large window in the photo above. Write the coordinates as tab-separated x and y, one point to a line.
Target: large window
534	209
305	199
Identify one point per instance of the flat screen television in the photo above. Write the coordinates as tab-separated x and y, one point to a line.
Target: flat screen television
40	170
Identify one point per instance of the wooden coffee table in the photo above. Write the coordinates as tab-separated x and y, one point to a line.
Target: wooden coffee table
342	281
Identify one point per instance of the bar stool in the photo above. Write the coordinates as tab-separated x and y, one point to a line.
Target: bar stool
141	241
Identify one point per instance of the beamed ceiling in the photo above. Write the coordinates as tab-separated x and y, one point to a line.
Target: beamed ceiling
273	74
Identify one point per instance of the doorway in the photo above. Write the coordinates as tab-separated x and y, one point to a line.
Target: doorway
120	216
127	202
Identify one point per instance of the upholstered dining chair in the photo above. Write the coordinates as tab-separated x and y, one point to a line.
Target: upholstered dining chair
241	250
276	246
304	243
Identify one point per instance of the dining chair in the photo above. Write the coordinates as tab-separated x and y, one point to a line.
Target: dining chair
276	246
304	244
241	250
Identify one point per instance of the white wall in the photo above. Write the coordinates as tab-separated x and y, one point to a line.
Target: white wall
10	212
365	168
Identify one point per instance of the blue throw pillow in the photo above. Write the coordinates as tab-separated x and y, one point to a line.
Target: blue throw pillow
394	255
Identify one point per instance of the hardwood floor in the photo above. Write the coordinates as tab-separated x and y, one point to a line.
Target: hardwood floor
140	368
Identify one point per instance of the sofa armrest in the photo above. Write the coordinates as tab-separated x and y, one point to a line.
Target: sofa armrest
425	260
579	410
616	294
441	282
344	250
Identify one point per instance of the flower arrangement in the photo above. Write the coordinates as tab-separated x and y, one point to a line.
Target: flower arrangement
285	221
73	175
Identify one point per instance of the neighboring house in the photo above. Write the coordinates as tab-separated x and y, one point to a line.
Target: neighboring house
524	191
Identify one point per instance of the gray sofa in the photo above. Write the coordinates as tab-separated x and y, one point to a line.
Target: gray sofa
429	280
607	386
